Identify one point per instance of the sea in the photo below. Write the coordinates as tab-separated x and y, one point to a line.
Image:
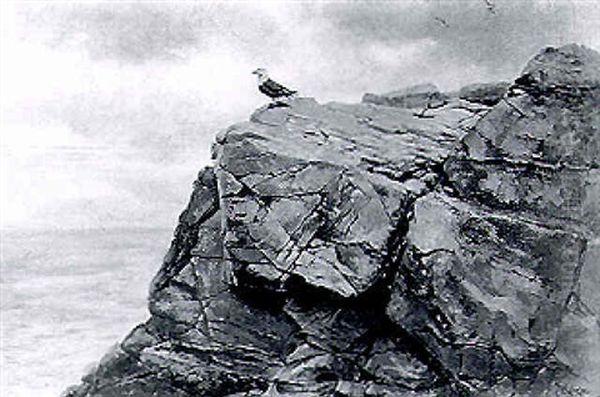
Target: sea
66	298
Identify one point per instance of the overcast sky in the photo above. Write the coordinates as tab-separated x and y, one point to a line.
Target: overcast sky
108	109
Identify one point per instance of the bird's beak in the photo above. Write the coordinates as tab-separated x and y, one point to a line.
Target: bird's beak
255	72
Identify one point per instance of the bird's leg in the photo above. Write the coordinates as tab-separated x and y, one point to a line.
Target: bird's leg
278	102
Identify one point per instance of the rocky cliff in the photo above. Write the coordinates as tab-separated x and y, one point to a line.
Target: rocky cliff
381	250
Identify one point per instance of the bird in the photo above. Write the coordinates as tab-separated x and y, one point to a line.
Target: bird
490	6
442	22
271	88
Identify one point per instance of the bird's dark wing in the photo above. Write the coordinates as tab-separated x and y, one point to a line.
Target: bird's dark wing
274	90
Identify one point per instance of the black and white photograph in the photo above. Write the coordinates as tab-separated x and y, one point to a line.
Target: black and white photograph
300	198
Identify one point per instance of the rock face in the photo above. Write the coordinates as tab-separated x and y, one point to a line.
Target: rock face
363	250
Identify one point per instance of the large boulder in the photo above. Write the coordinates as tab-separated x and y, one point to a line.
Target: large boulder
490	278
276	280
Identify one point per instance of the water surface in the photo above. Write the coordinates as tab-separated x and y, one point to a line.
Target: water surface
68	296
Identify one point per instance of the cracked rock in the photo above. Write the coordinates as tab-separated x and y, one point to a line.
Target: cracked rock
366	250
490	279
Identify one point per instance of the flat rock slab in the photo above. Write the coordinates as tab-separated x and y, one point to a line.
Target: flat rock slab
485	93
417	96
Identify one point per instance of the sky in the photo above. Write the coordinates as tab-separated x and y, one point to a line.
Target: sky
108	110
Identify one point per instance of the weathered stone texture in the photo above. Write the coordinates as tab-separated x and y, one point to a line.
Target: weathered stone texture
367	250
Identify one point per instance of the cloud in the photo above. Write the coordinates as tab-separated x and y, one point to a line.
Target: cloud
495	42
128	32
137	32
133	32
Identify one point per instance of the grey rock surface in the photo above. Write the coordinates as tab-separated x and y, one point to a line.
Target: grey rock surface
417	96
365	250
485	93
494	258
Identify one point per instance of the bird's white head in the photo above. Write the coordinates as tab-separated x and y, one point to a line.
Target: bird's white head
261	74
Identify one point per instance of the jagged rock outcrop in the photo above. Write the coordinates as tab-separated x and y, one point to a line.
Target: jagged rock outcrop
365	250
494	258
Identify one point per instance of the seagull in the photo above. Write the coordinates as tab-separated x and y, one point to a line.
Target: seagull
442	21
271	88
490	6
